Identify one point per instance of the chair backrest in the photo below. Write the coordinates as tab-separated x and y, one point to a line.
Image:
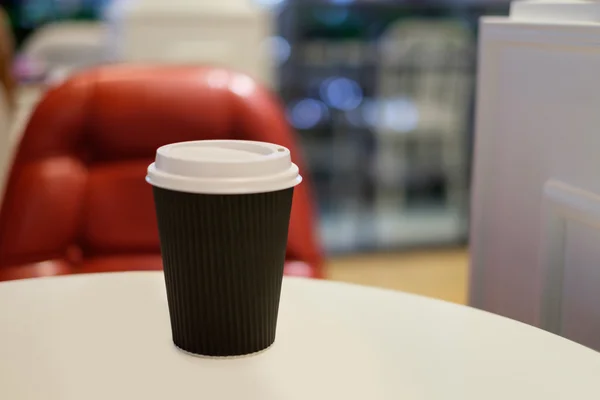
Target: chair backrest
78	177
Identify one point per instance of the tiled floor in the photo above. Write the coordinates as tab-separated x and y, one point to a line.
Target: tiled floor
441	274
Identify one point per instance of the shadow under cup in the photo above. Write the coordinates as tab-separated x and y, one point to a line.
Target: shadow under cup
223	257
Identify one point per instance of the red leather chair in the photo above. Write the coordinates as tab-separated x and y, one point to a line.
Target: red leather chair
77	201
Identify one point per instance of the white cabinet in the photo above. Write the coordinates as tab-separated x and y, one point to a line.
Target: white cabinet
581	297
535	234
228	33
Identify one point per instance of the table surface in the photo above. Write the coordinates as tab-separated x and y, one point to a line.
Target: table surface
107	336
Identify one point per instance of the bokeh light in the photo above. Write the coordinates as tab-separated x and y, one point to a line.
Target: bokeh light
307	113
278	48
341	93
398	114
268	3
332	16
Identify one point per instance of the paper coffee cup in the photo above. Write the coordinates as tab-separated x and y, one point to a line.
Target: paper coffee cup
223	210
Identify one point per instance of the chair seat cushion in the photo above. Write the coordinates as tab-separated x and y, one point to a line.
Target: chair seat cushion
154	263
120	263
34	270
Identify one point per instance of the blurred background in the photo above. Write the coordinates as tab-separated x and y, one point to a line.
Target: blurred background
380	94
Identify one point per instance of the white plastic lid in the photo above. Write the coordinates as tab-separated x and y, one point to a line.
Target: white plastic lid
223	167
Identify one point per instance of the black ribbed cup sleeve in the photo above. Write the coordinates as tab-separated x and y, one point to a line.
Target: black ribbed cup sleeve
223	259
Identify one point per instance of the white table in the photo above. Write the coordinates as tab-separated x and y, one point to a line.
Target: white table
108	337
